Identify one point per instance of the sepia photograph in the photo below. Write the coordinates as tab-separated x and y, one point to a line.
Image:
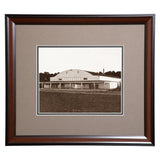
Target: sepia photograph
79	80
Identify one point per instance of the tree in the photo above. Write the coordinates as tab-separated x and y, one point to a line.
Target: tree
45	77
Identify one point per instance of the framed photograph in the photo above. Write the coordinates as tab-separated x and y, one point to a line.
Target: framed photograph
79	87
80	79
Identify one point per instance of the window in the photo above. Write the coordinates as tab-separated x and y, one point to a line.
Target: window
84	78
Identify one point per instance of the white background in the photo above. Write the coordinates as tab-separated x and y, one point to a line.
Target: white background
78	7
107	58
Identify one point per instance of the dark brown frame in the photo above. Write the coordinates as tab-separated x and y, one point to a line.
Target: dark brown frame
10	25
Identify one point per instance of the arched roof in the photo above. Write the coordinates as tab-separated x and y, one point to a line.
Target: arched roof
73	75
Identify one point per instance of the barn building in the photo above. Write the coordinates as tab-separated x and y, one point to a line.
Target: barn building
80	79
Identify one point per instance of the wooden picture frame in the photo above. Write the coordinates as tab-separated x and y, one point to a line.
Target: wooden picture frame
11	22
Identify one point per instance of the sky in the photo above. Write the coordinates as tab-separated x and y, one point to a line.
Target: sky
95	59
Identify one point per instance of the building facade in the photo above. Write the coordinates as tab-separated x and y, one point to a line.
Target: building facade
80	79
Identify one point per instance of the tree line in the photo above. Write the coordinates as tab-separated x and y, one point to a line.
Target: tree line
109	74
45	77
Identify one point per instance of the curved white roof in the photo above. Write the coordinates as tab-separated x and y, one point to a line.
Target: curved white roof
74	75
80	75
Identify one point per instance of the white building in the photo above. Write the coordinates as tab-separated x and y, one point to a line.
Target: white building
80	79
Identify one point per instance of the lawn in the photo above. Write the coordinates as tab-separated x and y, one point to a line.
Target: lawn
79	101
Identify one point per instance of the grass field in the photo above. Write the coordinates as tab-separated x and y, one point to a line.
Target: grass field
79	101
